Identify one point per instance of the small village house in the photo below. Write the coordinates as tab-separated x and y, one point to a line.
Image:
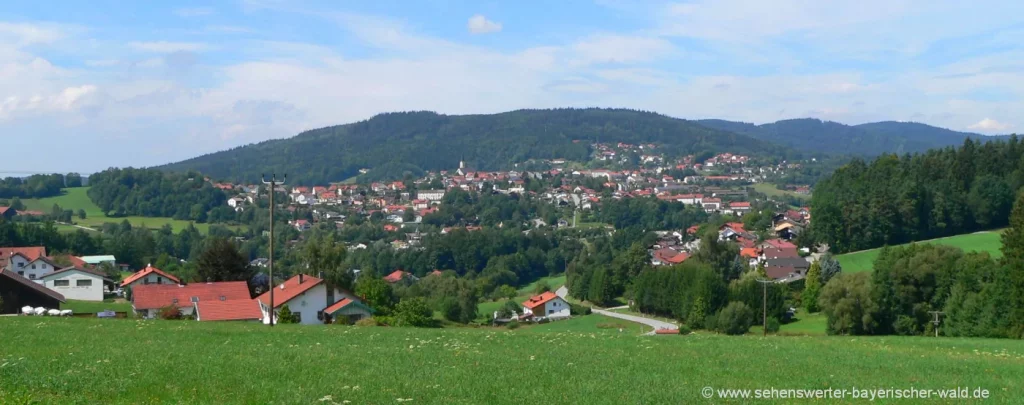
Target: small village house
149	275
311	302
548	305
148	299
78	283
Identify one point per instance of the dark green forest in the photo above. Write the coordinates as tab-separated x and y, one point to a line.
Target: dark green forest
393	144
826	137
38	185
153	193
899	199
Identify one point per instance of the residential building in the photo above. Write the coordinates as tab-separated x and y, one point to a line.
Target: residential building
430	195
77	283
36	269
148	299
548	305
228	310
16	258
311	302
400	276
149	275
98	260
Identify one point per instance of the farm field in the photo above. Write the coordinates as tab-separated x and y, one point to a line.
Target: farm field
988	241
77	198
770	190
63	360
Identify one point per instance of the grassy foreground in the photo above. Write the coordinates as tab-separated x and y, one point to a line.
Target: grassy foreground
77	198
72	360
990	242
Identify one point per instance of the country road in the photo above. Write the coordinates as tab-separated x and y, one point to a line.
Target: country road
654	323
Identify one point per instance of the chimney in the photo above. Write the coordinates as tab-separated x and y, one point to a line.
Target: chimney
300	278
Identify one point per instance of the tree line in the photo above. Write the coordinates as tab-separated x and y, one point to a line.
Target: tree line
153	193
899	199
38	185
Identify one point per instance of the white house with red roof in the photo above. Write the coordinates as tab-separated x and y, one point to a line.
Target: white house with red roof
311	302
148	299
546	305
149	275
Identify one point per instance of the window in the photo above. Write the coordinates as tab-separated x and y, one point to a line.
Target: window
174	301
551	311
159	280
223	298
320	315
32	276
83	283
195	299
21	264
298	317
61	283
33	266
21	273
44	266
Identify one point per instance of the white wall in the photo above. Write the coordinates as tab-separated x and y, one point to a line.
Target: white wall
556	308
93	292
152	278
308	304
41	269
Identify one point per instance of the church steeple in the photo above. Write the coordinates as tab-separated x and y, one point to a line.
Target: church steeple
462	162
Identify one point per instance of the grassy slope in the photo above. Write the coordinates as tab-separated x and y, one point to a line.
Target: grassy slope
76	198
770	190
990	242
76	361
92	307
485	310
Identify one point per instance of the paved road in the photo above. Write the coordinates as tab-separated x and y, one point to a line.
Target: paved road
654	323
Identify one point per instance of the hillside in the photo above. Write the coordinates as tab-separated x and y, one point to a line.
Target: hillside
988	241
816	136
394	143
568	362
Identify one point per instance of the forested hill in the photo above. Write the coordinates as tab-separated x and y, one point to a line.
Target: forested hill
872	139
394	143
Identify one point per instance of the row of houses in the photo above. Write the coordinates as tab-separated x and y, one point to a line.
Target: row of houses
79	281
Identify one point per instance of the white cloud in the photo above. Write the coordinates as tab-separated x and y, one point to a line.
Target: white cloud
193	12
27	34
988	125
478	24
610	48
167	46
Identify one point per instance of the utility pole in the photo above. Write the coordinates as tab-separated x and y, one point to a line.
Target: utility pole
764	306
936	321
270	263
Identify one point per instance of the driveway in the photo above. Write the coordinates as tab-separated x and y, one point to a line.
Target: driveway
654	323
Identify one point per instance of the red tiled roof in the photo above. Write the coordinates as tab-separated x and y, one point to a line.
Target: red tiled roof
773	253
145	272
153	296
31	284
396	276
30	253
337	306
748	252
77	261
538	300
739	205
292	288
228	310
679	258
779	272
780	244
735	226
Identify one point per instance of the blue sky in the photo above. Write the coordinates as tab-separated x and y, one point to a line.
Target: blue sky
90	84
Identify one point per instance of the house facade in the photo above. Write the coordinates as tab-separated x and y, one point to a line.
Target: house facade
149	275
548	305
311	302
35	270
77	283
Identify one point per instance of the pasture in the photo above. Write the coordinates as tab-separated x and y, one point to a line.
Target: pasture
989	241
71	360
77	198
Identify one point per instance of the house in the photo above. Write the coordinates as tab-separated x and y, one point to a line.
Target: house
227	310
18	291
430	195
8	259
712	204
668	257
36	269
548	305
149	275
796	264
78	283
400	275
148	299
8	212
311	302
739	208
98	260
301	225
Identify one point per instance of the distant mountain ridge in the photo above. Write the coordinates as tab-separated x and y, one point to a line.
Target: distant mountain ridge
393	144
871	139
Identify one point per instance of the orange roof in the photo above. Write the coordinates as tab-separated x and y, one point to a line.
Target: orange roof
153	296
396	276
679	258
289	289
436	273
228	310
145	272
538	300
748	252
30	253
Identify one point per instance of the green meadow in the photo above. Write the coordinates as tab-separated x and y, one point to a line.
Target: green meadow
72	361
990	242
485	310
77	198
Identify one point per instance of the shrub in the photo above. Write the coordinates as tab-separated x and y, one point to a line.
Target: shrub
711	322
169	312
512	325
575	309
684	330
735	318
773	325
508	309
413	312
367	322
542	287
285	315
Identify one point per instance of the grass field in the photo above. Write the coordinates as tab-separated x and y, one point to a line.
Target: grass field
485	310
588	324
76	198
92	307
770	190
69	360
990	242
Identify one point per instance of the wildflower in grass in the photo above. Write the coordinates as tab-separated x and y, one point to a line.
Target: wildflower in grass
327	398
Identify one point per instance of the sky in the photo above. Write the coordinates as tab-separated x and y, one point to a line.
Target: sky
86	85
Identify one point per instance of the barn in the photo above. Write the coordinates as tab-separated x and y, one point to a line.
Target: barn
17	291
